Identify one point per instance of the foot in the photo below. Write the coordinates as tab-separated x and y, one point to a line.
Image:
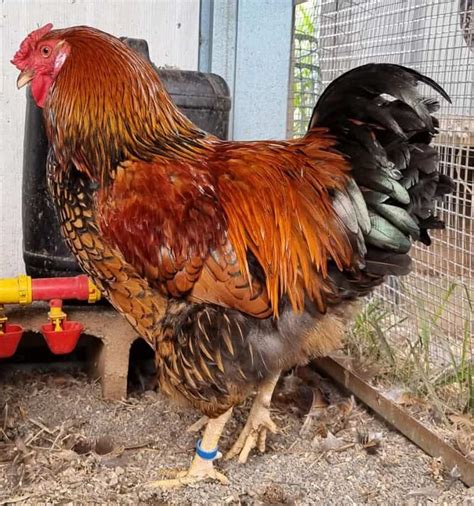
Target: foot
190	477
254	434
202	467
197	426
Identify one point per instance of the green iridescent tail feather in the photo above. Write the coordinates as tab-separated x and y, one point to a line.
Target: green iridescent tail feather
385	128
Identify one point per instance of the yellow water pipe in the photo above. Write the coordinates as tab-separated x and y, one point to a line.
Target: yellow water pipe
16	290
24	290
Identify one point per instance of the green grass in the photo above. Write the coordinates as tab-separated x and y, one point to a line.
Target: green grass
378	341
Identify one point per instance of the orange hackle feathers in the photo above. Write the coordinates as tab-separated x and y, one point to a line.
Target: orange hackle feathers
109	105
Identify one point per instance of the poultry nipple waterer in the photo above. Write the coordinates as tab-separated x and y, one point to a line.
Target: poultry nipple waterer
10	336
60	334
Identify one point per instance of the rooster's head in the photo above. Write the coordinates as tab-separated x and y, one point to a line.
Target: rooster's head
40	58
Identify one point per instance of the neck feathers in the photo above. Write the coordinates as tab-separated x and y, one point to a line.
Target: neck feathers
108	104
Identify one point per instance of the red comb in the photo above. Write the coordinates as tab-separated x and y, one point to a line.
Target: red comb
19	60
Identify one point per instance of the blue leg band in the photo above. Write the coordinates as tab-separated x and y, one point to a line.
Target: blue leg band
205	455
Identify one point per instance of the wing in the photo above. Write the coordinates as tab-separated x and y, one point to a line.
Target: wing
242	226
166	220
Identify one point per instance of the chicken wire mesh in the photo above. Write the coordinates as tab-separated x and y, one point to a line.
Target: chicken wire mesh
306	75
428	314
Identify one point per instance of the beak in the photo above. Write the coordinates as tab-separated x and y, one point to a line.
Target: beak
24	78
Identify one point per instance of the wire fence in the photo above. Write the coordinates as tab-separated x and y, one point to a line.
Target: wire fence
428	314
306	75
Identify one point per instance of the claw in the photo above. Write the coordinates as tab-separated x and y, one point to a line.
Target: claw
254	434
184	478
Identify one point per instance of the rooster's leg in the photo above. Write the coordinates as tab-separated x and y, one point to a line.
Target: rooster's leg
254	434
201	468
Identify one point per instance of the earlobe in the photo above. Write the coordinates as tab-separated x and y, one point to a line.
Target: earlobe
60	58
59	61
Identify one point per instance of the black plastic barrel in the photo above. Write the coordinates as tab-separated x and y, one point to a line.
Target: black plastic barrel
203	98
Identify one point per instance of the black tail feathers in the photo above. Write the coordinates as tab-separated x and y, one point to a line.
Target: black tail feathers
385	129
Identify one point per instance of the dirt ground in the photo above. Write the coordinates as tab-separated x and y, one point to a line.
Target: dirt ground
60	443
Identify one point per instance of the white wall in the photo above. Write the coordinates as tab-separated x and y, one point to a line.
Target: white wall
262	69
171	28
251	49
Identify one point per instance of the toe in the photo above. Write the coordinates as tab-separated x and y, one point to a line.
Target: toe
220	477
249	445
261	440
166	484
183	478
238	445
271	426
171	472
198	425
253	435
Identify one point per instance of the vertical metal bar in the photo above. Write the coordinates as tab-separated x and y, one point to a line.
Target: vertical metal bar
206	26
291	74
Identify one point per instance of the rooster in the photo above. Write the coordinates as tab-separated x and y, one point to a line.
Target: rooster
234	260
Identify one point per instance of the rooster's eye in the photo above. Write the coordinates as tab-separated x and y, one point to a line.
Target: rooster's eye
45	51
